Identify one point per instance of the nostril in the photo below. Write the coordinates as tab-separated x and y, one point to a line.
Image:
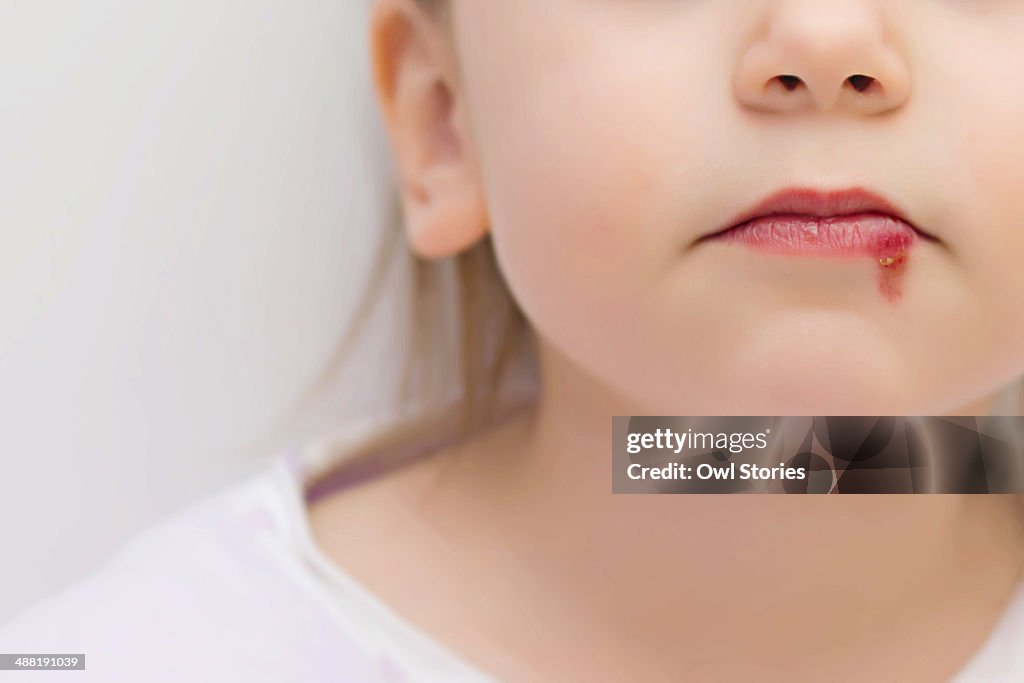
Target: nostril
860	82
790	82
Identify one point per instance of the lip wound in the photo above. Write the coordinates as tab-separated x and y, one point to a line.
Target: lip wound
885	239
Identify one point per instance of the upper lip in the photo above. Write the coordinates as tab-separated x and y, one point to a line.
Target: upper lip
823	204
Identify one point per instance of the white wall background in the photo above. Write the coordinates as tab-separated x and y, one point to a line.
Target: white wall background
190	191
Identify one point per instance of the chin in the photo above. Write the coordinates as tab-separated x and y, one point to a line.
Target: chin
809	390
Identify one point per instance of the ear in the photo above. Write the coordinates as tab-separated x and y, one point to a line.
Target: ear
418	88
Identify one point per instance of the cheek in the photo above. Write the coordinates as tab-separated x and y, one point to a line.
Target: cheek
590	216
992	112
1000	256
587	159
574	211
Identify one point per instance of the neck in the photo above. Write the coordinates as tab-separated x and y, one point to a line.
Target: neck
729	562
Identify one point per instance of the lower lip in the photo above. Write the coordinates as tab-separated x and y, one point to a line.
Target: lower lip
870	234
882	238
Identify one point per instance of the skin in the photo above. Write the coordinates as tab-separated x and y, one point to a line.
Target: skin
597	141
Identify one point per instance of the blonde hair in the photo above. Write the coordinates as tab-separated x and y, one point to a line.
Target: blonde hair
492	341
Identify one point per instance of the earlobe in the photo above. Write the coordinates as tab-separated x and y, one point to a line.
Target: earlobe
446	217
419	93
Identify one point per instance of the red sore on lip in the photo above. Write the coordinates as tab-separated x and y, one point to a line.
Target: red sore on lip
849	223
892	244
891	250
884	239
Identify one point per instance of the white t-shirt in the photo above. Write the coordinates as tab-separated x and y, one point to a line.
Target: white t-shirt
234	588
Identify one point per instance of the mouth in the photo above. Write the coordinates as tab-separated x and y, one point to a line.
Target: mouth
810	222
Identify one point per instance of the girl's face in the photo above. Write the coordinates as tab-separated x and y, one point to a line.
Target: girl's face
607	137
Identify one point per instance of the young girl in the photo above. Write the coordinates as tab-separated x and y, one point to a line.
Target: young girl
654	207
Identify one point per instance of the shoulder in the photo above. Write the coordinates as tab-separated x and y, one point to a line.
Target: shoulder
210	593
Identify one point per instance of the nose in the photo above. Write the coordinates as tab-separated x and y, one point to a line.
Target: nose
823	55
